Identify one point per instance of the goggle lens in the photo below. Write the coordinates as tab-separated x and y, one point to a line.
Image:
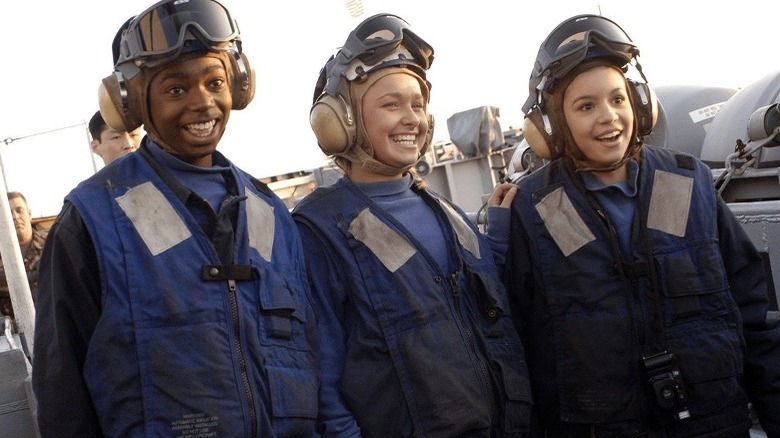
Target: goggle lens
379	36
162	28
563	50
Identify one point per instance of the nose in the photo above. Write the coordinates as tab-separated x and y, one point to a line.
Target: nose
201	98
126	140
608	113
410	116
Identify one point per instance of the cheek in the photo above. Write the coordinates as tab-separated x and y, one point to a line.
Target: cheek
376	123
578	126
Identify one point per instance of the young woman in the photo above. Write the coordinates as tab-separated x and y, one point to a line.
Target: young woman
639	298
415	333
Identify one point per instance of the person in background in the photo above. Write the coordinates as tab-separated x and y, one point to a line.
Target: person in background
173	295
641	301
31	239
415	333
109	143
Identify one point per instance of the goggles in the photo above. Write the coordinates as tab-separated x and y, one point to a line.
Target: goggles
571	42
380	40
380	35
161	30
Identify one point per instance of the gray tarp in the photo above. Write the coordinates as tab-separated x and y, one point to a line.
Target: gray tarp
476	131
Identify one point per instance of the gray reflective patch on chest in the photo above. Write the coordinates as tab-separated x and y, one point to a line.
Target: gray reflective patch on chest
670	203
261	223
465	234
562	221
153	217
387	245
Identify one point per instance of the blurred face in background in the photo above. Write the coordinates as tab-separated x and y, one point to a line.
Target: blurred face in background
22	220
112	144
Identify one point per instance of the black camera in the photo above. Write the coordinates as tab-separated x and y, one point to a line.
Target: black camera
666	388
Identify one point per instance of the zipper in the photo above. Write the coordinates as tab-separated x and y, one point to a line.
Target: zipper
453	281
240	353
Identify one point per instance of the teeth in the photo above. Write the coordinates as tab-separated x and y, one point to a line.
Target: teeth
201	129
403	138
609	136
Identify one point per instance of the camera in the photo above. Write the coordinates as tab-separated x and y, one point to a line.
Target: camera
666	388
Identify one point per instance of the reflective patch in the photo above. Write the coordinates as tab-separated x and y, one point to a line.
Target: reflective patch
670	203
153	217
465	234
563	222
261	222
387	245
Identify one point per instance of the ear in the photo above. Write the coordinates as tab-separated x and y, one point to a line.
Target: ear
95	143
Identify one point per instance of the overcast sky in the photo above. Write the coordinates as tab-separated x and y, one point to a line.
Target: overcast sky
57	52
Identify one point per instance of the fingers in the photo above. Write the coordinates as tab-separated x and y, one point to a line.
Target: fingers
503	195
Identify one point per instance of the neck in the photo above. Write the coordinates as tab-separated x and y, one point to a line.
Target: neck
618	175
359	173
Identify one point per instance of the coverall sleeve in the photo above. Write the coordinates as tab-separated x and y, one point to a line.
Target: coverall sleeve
328	300
67	311
762	336
498	234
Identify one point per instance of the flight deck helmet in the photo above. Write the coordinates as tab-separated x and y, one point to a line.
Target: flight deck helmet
574	41
161	34
379	42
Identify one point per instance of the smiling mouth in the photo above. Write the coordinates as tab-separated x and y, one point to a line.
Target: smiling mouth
203	129
612	136
406	139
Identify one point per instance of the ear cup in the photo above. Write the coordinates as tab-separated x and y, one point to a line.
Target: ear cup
538	132
333	124
118	106
243	81
645	104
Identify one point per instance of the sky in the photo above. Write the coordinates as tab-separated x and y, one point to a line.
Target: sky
57	52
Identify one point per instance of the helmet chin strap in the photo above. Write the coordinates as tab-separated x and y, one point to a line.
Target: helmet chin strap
360	157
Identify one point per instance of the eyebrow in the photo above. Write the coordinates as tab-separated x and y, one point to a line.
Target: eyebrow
178	74
398	95
591	96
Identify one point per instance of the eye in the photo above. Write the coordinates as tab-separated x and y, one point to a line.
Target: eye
216	84
618	99
586	106
176	91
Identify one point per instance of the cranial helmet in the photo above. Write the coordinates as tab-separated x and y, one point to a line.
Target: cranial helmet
571	43
161	34
379	42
